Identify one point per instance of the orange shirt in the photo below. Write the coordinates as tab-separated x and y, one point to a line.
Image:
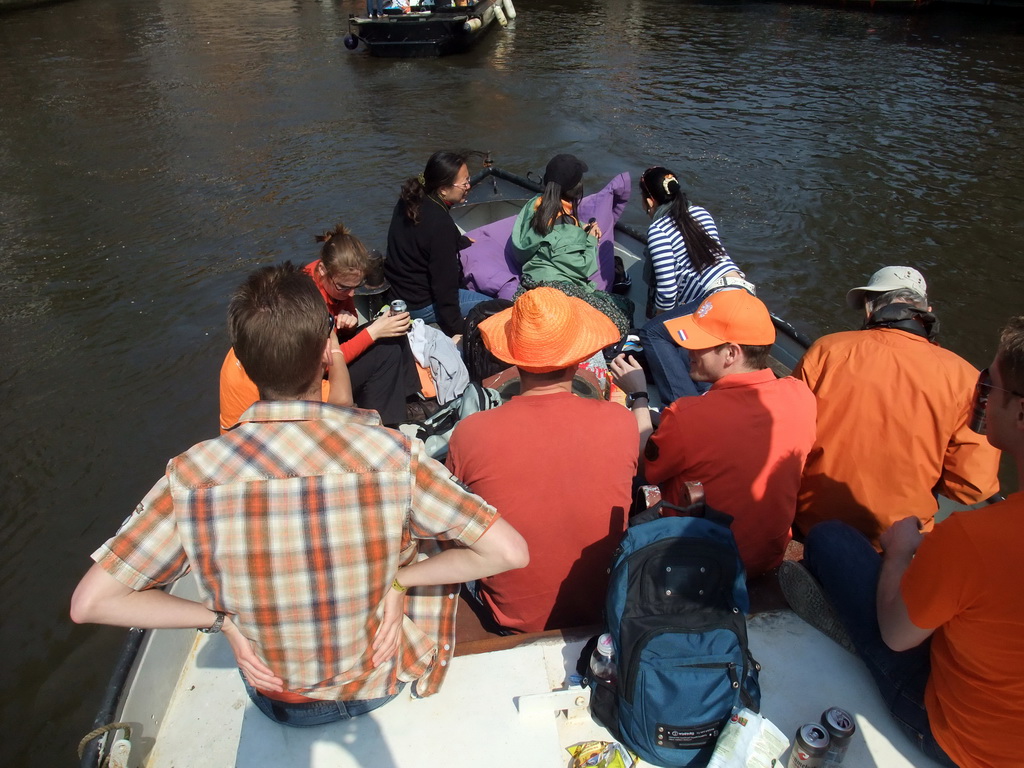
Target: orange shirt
892	431
965	580
746	440
238	392
560	469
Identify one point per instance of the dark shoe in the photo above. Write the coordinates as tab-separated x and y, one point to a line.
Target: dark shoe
421	409
806	597
622	282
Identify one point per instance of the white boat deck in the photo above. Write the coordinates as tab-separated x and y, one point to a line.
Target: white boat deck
497	709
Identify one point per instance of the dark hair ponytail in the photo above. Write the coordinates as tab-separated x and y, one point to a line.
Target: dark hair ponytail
661	185
440	171
550	209
343	252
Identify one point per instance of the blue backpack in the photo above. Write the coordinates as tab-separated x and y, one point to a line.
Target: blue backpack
676	611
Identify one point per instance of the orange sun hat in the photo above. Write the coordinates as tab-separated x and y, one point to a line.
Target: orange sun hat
545	330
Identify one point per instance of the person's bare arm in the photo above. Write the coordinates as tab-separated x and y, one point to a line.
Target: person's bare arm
629	377
338	376
500	548
899	543
99	598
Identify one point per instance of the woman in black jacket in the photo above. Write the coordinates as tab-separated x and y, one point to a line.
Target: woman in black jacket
423	264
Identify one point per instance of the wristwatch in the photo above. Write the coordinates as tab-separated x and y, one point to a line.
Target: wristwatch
216	626
632	397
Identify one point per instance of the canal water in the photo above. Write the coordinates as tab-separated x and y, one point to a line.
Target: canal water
152	153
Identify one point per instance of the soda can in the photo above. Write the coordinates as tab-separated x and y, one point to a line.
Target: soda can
398	306
840	727
809	747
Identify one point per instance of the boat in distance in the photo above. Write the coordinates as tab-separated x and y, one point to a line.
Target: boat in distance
427	30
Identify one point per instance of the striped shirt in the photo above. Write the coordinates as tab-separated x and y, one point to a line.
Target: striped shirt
675	280
295	522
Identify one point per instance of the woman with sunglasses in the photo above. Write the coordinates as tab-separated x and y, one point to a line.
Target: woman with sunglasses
688	263
423	263
378	358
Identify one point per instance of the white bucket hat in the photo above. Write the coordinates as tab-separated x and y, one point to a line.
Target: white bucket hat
888	279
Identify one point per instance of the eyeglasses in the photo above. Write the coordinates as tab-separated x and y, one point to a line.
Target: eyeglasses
464	185
982	391
985	385
342	288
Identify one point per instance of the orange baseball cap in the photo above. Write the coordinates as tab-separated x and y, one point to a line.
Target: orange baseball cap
545	330
724	317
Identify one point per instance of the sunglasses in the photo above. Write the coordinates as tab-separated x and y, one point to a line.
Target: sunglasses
982	392
331	323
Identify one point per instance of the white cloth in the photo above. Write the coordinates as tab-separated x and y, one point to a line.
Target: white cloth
434	350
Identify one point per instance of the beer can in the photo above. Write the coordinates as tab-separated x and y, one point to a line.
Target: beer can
809	747
398	306
840	727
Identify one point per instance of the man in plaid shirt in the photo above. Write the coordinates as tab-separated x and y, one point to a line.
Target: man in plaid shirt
327	549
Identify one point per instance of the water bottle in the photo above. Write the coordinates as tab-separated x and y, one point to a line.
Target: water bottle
602	661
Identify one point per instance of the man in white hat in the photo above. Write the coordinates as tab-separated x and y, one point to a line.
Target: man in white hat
893	409
557	466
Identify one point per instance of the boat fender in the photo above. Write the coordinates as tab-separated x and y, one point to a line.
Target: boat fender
472	24
510	10
351	42
500	15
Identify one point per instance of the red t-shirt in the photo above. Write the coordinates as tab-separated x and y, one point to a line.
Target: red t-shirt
965	580
746	440
559	468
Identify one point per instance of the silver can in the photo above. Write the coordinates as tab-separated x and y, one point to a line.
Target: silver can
398	306
841	727
809	747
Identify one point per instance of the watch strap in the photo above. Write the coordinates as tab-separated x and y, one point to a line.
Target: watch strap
218	623
632	397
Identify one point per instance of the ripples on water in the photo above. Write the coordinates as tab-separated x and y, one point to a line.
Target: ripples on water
154	153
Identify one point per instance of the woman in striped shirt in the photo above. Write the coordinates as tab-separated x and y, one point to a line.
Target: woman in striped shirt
686	253
689	263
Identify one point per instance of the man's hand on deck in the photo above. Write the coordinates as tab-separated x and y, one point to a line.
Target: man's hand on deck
256	672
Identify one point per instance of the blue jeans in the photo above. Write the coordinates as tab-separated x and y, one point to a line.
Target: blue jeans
309	714
467	300
843	560
670	363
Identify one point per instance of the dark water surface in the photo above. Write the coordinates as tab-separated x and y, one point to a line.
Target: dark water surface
154	152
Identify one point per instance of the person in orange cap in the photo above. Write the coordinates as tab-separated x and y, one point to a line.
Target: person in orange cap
557	466
745	439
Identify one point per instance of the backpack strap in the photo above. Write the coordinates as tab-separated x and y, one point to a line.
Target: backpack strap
697	509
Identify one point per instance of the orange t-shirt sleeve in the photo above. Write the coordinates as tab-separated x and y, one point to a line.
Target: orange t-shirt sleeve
355	346
940	575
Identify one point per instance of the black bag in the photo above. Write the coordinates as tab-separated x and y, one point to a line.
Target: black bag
676	611
479	361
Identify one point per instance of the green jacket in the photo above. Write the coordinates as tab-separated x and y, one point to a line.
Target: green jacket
566	254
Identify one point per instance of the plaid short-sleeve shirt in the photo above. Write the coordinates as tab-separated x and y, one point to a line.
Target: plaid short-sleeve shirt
295	522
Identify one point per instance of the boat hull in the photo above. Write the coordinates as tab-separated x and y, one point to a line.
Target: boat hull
422	35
